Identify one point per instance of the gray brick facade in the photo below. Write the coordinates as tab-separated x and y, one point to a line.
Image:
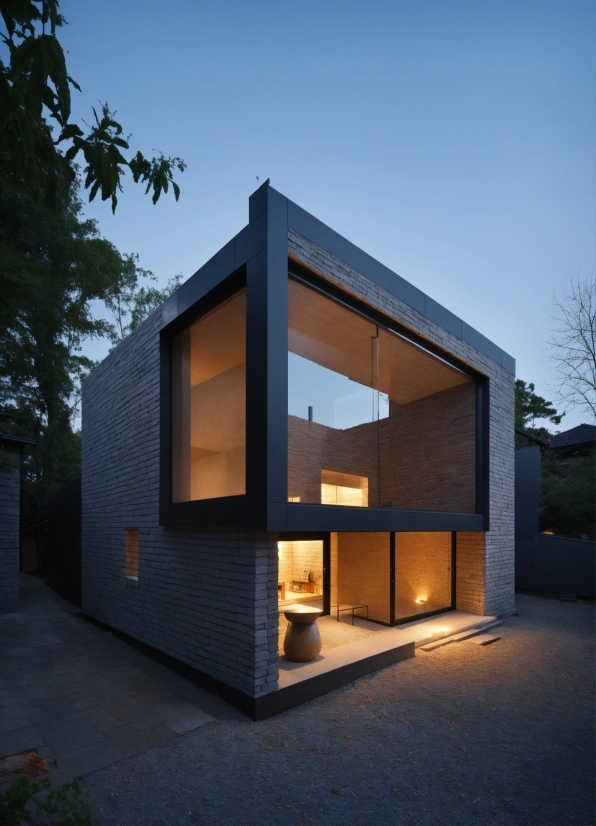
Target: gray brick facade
10	479
206	598
209	597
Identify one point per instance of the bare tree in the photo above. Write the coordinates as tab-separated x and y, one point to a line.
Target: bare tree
573	344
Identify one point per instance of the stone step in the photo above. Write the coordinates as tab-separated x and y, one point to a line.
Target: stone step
463	635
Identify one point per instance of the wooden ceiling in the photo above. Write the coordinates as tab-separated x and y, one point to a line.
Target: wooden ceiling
218	340
333	336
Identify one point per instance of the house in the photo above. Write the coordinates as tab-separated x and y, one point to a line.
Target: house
295	423
11	448
554	561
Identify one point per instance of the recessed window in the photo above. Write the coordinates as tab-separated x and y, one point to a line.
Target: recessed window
131	541
209	404
344	489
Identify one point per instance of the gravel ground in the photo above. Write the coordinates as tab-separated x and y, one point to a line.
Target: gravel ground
465	734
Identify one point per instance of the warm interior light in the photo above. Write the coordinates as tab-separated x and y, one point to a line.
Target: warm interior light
420	601
344	489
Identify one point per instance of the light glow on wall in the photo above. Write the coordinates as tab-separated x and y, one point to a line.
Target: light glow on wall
344	489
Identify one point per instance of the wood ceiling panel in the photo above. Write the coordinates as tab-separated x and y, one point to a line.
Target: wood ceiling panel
333	336
218	340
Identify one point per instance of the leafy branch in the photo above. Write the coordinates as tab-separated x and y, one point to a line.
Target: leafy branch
35	100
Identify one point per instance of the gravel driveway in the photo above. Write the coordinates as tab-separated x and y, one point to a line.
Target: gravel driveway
465	734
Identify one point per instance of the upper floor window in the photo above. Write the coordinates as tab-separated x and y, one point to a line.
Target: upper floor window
209	404
373	419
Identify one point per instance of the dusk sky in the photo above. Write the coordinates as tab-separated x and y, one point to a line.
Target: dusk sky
452	140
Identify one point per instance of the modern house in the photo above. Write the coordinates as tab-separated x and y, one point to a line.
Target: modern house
296	422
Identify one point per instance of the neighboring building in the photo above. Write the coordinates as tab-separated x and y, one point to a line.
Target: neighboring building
10	515
545	562
573	444
296	422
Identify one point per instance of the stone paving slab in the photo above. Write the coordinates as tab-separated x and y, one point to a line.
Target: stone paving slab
67	691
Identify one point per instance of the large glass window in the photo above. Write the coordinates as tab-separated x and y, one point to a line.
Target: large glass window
209	404
373	419
422	573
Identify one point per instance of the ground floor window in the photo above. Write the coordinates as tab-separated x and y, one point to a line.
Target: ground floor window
389	578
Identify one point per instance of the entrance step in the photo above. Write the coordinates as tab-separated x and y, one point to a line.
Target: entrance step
463	635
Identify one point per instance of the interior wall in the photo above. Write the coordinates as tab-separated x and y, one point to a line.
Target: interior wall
297	557
313	447
222	474
363	571
422	570
428	453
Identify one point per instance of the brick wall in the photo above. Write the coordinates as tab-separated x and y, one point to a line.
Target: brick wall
426	454
422	571
487	566
208	598
10	479
363	571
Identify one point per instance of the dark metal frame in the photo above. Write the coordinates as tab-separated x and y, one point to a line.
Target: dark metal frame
258	258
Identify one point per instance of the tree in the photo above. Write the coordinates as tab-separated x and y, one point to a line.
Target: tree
567	495
528	408
41	358
129	302
573	345
38	142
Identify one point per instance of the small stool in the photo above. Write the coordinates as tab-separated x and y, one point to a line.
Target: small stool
302	642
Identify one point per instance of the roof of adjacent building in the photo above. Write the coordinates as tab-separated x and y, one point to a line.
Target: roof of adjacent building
21	441
581	436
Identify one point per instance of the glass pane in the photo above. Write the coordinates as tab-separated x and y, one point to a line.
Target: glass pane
300	573
209	405
363	574
333	403
428	437
422	573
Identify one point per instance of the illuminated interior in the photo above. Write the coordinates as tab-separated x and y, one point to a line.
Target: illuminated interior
368	406
300	572
209	404
343	489
423	568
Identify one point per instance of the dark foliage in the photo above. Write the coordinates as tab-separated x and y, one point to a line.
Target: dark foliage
39	143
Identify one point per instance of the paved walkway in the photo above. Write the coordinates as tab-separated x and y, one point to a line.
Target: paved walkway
74	693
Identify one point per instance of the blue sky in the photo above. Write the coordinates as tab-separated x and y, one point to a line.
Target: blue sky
452	140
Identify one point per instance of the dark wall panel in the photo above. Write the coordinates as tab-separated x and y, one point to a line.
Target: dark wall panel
63	545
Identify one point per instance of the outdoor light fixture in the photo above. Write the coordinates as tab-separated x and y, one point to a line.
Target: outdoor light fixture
420	601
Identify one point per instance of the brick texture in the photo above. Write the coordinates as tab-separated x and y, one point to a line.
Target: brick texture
207	598
10	478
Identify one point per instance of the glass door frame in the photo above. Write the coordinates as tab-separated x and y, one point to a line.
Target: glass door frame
424	615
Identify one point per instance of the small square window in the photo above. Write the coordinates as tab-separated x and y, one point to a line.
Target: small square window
131	536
